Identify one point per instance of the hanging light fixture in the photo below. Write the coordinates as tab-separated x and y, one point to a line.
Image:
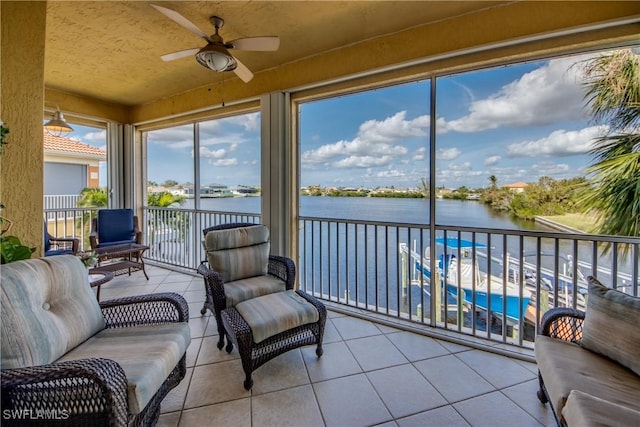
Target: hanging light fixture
57	126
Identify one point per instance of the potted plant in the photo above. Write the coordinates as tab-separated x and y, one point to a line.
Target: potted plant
3	135
11	249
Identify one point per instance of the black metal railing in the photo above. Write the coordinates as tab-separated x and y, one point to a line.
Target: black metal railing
489	283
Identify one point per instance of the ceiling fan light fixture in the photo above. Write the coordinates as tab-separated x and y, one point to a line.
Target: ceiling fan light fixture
216	57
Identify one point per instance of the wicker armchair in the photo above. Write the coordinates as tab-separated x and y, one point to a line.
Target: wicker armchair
114	227
59	245
563	323
282	268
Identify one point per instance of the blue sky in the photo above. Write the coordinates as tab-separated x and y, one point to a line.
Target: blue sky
517	122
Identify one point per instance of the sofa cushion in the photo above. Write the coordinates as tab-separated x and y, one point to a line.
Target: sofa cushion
565	366
146	353
244	289
585	410
238	253
611	325
48	308
272	314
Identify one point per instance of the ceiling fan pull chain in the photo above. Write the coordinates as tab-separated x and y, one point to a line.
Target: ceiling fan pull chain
222	91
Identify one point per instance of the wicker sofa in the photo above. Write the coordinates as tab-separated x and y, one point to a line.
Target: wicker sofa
69	360
589	362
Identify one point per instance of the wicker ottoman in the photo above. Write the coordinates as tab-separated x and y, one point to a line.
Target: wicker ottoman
270	325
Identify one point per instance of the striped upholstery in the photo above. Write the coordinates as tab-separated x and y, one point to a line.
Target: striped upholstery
244	289
48	308
238	253
146	353
585	410
611	325
272	314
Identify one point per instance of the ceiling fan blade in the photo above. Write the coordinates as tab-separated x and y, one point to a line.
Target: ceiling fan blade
176	17
180	54
268	43
242	71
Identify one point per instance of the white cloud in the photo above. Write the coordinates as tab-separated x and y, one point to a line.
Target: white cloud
212	154
492	160
99	136
559	143
375	145
466	166
393	128
225	162
542	96
230	138
448	153
391	173
362	161
419	154
551	169
250	122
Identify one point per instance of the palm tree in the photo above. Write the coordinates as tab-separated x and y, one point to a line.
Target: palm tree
424	187
613	187
494	181
164	199
93	197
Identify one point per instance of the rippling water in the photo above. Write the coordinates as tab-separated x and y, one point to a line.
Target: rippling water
408	211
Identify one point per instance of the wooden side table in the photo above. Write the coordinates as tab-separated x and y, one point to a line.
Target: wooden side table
99	277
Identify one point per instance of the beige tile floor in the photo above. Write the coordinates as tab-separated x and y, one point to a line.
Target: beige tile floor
370	374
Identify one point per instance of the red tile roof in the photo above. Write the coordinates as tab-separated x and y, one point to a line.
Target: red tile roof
66	145
516	185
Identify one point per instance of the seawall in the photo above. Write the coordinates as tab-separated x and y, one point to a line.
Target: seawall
557	225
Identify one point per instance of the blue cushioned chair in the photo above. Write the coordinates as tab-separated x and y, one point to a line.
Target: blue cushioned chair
59	245
114	227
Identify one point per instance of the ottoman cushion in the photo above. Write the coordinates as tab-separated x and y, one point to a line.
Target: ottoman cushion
272	314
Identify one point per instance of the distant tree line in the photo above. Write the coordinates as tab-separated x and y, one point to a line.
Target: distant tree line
546	197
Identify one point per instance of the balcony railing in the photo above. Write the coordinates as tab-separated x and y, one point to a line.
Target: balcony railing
63	201
175	236
71	222
487	283
497	283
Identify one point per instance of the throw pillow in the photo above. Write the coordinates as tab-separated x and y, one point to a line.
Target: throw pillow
611	325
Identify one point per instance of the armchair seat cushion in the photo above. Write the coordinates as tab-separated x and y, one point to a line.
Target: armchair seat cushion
53	252
146	353
272	314
566	366
252	287
585	410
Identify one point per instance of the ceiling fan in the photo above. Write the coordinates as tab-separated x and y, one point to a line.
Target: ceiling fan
215	55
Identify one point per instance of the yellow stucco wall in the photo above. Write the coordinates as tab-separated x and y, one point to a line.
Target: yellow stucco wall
21	100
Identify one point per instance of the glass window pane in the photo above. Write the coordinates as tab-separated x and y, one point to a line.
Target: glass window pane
230	164
170	160
373	143
507	131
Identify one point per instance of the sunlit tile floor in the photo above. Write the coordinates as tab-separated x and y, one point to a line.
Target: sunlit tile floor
370	374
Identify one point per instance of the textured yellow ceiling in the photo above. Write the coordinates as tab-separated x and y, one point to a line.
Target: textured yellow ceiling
110	50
